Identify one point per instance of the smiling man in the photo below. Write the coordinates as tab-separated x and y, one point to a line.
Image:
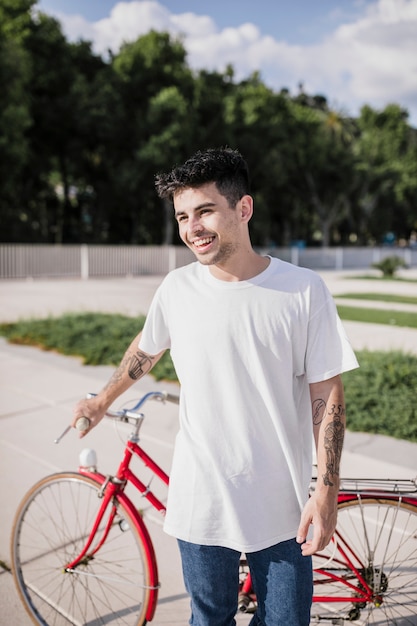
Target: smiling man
259	349
218	236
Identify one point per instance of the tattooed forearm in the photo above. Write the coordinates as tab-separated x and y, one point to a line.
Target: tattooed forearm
139	364
118	374
333	443
136	366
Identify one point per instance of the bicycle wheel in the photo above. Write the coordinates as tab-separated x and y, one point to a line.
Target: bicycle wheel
369	572
50	529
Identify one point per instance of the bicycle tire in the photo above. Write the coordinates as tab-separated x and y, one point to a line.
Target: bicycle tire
379	538
49	531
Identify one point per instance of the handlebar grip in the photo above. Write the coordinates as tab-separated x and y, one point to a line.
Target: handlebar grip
82	424
170	397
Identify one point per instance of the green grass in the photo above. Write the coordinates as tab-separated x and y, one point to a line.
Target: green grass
376	316
379	297
383	278
380	395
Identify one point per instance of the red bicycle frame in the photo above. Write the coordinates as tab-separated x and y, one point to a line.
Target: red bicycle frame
112	488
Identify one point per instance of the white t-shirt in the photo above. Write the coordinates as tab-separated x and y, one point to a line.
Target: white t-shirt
245	353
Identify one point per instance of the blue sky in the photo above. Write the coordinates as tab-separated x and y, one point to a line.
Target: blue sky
354	52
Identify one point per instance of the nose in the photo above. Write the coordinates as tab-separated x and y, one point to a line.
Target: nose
194	225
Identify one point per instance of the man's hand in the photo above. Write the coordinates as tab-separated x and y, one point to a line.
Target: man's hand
321	513
92	409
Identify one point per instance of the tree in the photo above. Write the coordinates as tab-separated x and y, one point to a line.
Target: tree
64	137
14	110
15	19
155	86
386	186
258	122
168	141
326	166
211	91
53	115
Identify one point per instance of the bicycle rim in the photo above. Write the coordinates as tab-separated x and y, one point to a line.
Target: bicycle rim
50	530
375	549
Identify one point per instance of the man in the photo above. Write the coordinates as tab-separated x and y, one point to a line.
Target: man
258	349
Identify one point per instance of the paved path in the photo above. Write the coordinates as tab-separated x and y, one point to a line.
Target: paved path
38	390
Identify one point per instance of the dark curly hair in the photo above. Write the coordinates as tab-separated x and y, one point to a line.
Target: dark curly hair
223	166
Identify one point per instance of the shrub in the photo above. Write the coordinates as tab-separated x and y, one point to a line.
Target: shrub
98	338
380	395
390	265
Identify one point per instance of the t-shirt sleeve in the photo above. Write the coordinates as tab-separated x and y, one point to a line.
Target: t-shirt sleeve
329	352
155	335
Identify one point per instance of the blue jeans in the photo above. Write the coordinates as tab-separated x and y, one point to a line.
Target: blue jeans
281	575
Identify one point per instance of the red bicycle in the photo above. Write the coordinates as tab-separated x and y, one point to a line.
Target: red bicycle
81	553
368	573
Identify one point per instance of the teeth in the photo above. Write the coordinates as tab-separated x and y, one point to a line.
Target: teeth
203	242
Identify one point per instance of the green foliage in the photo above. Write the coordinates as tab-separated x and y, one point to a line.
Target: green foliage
385	187
381	395
98	338
15	18
390	265
15	119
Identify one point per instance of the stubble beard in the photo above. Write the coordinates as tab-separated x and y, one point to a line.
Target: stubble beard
225	252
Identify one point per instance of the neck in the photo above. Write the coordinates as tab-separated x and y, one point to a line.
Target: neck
243	267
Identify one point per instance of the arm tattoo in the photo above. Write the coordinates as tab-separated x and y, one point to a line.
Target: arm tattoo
139	364
333	442
319	408
118	374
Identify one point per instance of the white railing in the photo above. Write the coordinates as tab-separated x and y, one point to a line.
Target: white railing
348	258
90	261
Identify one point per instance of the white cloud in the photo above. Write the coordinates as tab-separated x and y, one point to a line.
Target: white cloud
127	21
372	59
193	25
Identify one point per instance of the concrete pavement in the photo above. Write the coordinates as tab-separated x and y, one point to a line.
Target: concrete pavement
38	390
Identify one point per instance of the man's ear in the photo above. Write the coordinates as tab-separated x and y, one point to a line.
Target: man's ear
246	208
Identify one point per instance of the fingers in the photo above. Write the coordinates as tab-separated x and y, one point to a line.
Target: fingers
302	533
83	420
307	549
87	414
317	543
312	534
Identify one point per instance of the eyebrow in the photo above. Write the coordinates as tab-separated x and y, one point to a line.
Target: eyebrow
195	209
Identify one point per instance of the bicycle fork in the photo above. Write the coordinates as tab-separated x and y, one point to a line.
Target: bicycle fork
107	492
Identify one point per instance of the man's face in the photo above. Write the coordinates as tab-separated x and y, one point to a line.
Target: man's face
207	224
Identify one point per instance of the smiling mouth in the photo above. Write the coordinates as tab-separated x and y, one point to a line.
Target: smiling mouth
203	242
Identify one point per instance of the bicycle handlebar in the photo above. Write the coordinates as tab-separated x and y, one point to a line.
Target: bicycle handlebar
83	423
170	397
161	396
